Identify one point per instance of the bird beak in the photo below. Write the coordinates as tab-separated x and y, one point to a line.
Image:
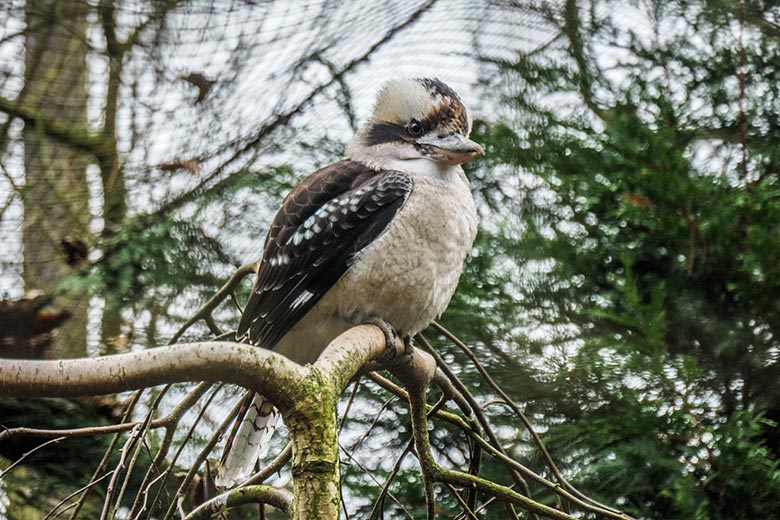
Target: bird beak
451	149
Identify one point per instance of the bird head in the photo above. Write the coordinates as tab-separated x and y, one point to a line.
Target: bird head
416	119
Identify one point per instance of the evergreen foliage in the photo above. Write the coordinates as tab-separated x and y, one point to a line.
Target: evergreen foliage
647	242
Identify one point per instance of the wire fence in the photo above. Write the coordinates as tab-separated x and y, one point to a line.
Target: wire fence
208	89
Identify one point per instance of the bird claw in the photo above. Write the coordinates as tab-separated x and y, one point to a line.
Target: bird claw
391	335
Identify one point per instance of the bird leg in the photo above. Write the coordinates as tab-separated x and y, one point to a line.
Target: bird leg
408	346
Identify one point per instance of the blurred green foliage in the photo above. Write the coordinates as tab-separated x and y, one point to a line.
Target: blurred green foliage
632	270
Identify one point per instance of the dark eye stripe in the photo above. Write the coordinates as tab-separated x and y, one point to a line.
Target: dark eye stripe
385	133
451	115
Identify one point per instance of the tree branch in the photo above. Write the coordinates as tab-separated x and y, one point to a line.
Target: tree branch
94	144
262	370
306	396
218	297
528	426
167	421
259	494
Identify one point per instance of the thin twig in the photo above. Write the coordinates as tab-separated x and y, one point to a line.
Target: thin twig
380	500
502	456
96	430
516	410
112	483
145	496
466	508
261	476
27	454
373	424
370	475
344	415
494	441
61	502
273	467
225	291
144	429
171	422
107	454
185	483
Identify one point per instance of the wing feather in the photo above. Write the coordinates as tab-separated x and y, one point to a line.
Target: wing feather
322	224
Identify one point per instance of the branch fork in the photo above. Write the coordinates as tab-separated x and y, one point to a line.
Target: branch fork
306	396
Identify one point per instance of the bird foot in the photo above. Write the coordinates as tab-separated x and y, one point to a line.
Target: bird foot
391	336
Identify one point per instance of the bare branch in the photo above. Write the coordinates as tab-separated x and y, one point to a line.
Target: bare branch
502	492
475	409
258	494
225	291
218	502
528	426
274	466
436	473
204	452
466	508
244	365
115	474
140	443
106	455
170	422
54	511
27	454
307	398
380	500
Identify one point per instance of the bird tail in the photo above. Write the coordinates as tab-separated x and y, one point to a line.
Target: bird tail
248	440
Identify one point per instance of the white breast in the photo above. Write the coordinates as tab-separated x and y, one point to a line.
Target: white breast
408	275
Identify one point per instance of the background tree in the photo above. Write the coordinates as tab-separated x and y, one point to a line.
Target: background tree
649	195
55	173
623	284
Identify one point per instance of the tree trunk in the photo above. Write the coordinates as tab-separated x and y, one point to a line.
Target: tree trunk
111	172
56	195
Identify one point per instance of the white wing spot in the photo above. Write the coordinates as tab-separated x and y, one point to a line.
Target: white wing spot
301	299
280	259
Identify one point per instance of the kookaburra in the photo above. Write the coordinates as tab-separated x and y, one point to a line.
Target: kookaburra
380	235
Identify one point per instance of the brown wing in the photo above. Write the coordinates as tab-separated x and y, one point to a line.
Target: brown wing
322	224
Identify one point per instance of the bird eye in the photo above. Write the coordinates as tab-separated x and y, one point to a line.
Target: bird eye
414	128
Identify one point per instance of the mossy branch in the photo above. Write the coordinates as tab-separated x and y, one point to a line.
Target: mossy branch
258	494
212	361
306	396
